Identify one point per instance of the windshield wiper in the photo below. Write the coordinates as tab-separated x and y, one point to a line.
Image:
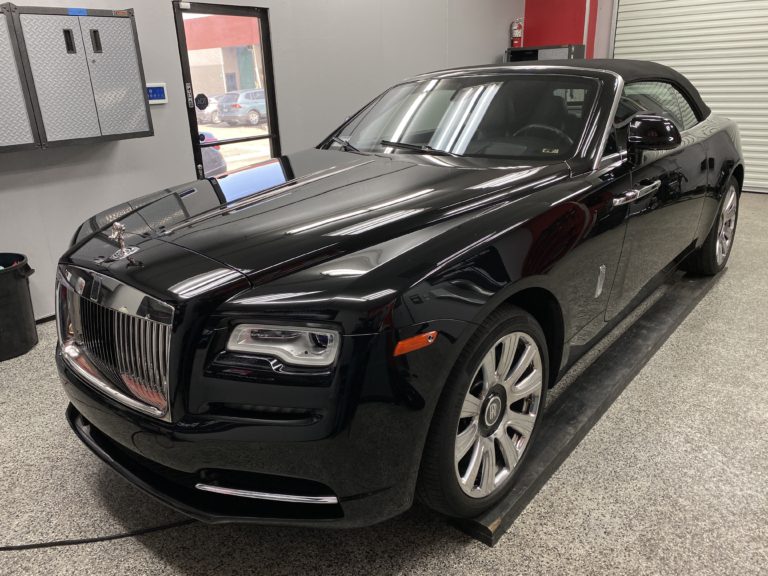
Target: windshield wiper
345	145
422	148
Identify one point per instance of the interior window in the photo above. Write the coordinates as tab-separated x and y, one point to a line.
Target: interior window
575	100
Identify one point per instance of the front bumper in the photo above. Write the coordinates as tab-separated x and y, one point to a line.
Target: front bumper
180	491
363	472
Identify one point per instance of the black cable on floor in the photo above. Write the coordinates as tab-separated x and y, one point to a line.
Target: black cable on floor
77	541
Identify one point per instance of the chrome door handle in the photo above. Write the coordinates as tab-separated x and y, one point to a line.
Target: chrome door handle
637	193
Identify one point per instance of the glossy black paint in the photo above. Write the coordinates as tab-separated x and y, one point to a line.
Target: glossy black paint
649	132
381	247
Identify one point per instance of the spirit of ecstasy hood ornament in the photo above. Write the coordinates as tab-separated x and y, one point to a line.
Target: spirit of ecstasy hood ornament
118	233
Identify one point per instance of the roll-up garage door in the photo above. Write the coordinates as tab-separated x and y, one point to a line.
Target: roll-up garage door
722	47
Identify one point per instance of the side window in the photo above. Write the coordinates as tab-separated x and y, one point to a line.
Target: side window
686	112
660	98
656	97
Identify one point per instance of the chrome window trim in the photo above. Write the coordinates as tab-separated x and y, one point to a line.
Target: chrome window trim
609	124
293	498
612	161
511	68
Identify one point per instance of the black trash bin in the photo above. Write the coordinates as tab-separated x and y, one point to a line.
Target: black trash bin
18	332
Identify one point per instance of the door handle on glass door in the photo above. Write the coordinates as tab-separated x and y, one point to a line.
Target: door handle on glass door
637	193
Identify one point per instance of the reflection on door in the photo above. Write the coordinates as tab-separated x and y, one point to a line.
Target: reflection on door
226	62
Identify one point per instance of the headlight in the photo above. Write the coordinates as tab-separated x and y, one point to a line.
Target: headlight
303	346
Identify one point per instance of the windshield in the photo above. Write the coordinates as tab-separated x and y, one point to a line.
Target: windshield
509	116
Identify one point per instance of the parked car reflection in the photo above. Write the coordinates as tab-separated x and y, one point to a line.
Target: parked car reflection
210	115
243	107
214	163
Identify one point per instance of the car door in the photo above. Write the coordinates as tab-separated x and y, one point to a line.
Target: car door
663	219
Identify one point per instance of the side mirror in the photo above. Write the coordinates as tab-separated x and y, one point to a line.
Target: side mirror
651	132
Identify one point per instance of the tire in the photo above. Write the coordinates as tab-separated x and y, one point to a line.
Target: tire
451	481
714	253
215	117
254	117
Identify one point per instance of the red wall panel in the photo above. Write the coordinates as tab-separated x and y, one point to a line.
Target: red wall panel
550	22
221	31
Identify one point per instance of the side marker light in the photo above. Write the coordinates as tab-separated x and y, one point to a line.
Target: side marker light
415	343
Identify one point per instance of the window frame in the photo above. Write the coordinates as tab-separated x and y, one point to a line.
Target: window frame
273	135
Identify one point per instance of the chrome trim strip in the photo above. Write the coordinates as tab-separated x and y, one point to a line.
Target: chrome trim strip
80	364
111	293
293	498
510	67
609	127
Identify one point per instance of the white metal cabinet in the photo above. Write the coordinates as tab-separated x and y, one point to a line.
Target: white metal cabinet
17	128
118	89
82	70
56	53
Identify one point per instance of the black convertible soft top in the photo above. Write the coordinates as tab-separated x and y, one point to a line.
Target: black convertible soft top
635	71
629	70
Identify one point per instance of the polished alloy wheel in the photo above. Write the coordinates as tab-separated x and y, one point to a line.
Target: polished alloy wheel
727	225
498	414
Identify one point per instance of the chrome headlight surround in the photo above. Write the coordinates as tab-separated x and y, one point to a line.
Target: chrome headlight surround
300	346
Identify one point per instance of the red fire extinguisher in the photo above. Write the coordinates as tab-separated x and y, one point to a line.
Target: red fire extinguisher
516	33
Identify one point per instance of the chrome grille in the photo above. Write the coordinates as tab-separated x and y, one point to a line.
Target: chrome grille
115	338
131	351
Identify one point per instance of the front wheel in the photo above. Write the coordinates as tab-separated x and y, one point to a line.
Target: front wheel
487	416
713	255
254	117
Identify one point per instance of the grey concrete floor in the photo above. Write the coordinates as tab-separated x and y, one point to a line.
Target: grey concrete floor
672	480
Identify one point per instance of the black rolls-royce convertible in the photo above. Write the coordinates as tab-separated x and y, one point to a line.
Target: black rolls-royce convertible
323	337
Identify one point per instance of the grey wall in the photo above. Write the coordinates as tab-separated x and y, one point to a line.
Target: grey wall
330	56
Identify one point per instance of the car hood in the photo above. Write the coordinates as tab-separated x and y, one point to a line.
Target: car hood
291	213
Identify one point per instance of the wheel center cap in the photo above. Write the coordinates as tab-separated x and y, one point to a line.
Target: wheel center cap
492	411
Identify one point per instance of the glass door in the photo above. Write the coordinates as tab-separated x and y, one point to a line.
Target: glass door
226	61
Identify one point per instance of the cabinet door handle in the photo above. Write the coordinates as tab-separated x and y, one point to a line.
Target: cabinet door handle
96	42
637	193
69	41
